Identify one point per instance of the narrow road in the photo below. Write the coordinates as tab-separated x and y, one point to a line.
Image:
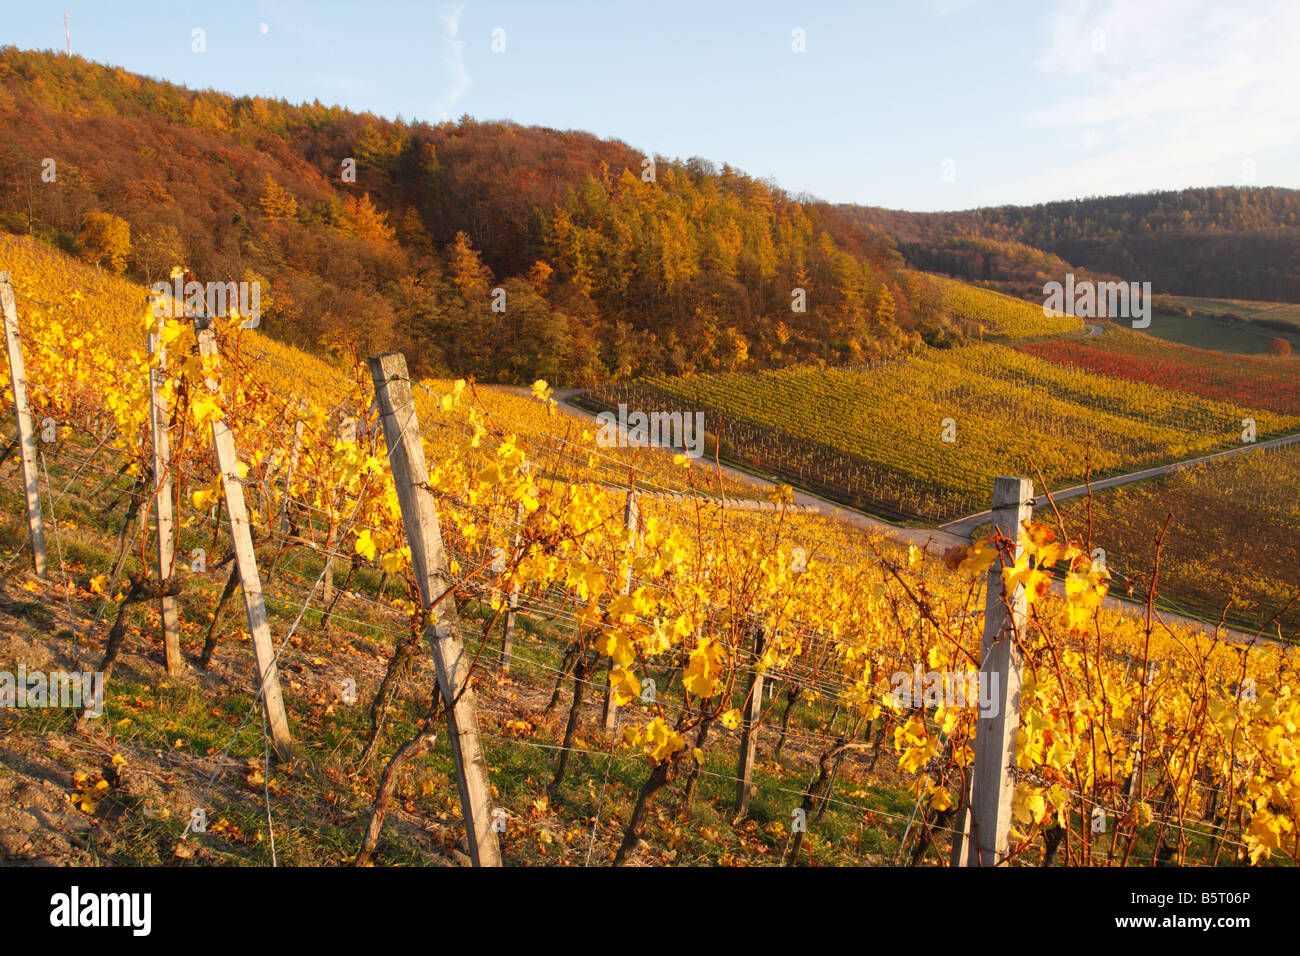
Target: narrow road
957	533
932	540
963	527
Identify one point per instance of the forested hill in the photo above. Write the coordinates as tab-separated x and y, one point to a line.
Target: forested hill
607	271
1227	242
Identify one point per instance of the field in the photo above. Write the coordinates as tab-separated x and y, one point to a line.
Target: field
1122	354
1217	321
1003	317
1243	307
709	603
1233	540
1202	332
1288	315
875	438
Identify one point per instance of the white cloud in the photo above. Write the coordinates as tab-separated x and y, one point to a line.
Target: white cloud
453	58
1161	94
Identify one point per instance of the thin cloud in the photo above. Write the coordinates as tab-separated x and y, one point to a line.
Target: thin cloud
1155	94
453	59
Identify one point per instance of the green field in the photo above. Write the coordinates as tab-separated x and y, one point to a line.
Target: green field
1284	314
1246	307
1221	336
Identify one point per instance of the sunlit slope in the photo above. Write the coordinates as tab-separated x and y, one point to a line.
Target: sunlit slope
1003	316
924	436
684	603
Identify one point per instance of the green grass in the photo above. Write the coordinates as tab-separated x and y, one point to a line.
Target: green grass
1216	335
1245	307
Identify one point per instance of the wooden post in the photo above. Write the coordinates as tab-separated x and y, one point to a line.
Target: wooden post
223	444
327	573
292	466
441	622
982	839
749	732
508	638
26	436
631	518
162	508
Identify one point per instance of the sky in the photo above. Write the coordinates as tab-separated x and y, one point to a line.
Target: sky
913	104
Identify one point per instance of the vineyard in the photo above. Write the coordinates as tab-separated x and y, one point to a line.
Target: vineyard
997	315
1232	536
1243	307
1249	381
922	438
625	670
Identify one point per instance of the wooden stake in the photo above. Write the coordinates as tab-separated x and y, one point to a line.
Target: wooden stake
292	466
435	582
26	436
223	444
631	518
162	509
327	579
508	638
986	821
749	732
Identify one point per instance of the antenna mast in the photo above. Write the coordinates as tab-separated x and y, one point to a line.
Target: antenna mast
67	34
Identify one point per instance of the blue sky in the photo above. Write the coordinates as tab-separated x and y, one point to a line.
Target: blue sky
914	104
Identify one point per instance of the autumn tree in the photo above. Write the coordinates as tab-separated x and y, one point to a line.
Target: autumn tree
362	219
106	240
691	269
158	250
411	232
277	202
539	276
472	278
208	113
885	307
733	350
1279	347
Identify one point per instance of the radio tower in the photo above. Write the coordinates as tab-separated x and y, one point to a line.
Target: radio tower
67	34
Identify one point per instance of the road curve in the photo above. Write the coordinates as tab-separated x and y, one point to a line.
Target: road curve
963	527
933	540
957	533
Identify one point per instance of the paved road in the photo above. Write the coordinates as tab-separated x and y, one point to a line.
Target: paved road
932	540
963	527
957	533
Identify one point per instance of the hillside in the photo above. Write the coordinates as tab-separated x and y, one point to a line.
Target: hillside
1221	242
372	234
1218	515
373	579
720	631
922	438
509	253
